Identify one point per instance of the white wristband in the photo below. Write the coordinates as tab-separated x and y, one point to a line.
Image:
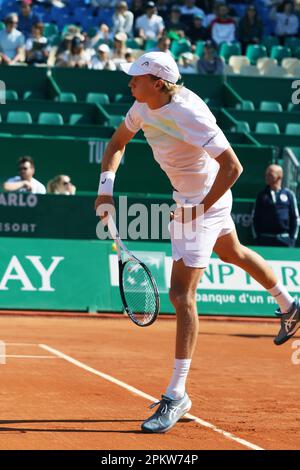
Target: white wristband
106	183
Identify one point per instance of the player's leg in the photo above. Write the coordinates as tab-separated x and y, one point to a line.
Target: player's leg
175	403
230	250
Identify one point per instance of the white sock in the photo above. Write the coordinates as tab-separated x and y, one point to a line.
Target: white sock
283	298
176	388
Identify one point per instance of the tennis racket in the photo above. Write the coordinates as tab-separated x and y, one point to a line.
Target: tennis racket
138	288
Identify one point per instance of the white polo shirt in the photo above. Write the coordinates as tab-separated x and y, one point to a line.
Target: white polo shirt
185	140
37	187
152	26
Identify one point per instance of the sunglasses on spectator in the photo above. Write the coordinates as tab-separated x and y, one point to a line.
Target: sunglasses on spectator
67	182
24	168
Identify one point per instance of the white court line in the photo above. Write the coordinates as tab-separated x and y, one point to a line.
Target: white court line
20	344
134	390
23	356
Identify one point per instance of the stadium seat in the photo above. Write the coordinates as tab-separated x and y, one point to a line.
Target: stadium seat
293	107
133	44
238	61
2	25
242	126
264	63
50	29
269	42
11	95
246	105
296	52
120	98
292	42
98	98
51	118
66	97
228	49
267	128
115	121
249	70
292	129
272	106
289	62
273	71
255	52
179	47
150	44
19	117
199	48
280	52
33	95
75	118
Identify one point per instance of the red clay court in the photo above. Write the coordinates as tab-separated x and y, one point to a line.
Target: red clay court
86	383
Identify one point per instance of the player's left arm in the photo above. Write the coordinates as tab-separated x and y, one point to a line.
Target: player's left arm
229	171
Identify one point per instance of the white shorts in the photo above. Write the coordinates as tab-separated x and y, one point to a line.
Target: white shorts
194	243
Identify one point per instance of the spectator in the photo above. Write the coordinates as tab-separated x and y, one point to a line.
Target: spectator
61	184
150	25
174	26
223	27
197	32
250	28
137	8
189	10
11	41
27	18
103	34
210	63
163	45
276	216
163	8
76	56
129	58
122	20
186	64
25	181
36	47
101	60
119	48
286	22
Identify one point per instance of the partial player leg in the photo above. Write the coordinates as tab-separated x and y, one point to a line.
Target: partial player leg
175	403
230	250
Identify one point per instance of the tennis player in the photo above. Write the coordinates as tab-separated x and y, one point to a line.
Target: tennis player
202	167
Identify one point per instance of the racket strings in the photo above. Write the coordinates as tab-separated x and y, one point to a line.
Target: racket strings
140	294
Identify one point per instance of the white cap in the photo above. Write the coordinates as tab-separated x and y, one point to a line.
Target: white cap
103	48
159	64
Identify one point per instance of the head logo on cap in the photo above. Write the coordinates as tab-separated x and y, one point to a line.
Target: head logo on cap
145	64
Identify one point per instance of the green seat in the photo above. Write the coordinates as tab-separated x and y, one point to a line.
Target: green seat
242	126
270	106
199	48
179	47
293	107
33	95
296	52
267	128
255	52
2	25
51	118
280	52
98	98
115	121
269	42
292	129
66	97
229	49
50	29
75	118
11	95
120	98
246	105
133	44
292	42
19	117
150	44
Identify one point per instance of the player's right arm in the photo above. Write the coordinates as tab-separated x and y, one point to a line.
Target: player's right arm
110	163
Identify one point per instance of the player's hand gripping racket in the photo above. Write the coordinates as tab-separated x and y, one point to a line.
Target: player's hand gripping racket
138	288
